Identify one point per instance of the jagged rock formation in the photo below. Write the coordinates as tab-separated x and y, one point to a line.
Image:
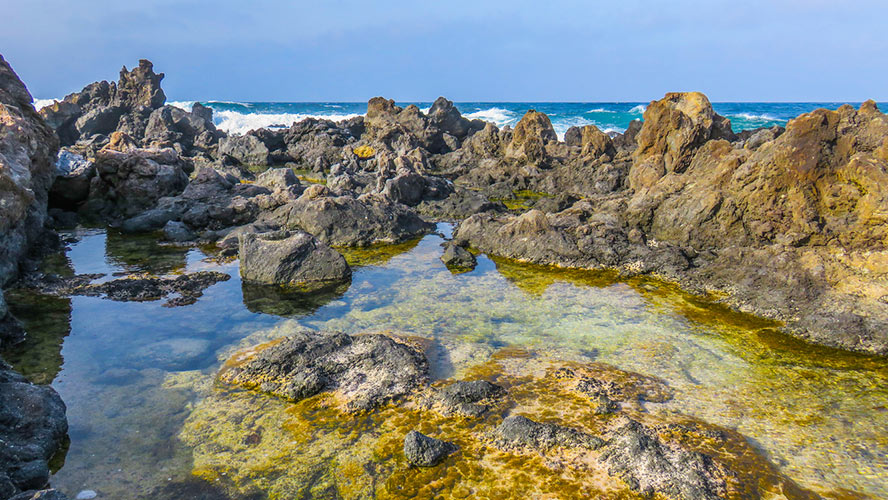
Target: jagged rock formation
786	224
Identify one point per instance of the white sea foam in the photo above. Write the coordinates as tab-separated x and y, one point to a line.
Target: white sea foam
754	117
239	123
425	111
185	105
640	109
42	103
600	110
498	116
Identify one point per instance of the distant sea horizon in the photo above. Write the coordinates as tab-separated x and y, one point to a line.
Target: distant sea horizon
613	117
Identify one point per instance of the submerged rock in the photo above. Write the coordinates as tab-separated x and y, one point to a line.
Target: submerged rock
290	258
466	399
363	371
638	455
518	431
424	451
458	257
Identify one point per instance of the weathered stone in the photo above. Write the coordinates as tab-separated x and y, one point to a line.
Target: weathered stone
28	150
363	371
424	451
295	259
517	431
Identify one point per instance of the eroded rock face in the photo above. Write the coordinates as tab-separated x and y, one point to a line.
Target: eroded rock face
28	149
295	259
363	371
127	184
674	127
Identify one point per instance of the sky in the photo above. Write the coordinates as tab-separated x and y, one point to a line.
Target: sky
466	50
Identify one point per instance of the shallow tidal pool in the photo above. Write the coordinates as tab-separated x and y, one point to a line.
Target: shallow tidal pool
147	418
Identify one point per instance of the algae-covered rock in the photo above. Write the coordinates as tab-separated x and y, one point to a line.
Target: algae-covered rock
466	398
519	431
424	451
363	371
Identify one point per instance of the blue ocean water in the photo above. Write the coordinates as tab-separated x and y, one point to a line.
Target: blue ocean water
240	117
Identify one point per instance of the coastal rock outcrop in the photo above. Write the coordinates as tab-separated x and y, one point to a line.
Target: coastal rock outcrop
295	259
28	150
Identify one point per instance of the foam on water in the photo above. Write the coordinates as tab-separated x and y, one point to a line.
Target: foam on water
42	103
498	116
640	109
234	122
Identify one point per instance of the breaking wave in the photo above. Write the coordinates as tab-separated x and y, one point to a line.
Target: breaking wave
234	122
498	116
42	103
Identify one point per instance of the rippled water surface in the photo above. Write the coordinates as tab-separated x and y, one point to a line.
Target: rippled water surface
147	419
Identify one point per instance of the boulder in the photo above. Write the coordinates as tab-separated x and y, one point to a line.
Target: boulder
424	451
290	258
32	428
74	174
362	371
129	183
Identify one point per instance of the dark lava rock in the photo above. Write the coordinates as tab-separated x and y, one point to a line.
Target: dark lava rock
637	455
467	399
517	431
458	257
291	258
364	371
32	428
424	451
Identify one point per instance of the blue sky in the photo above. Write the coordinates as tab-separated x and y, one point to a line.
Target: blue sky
476	50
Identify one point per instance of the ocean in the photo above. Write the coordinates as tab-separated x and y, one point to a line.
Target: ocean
240	117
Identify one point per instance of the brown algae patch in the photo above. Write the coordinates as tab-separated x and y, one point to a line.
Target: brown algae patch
311	448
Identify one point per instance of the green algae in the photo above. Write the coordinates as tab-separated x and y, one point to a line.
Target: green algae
522	199
376	255
309	176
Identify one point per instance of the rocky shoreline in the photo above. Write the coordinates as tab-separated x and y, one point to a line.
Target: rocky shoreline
788	224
